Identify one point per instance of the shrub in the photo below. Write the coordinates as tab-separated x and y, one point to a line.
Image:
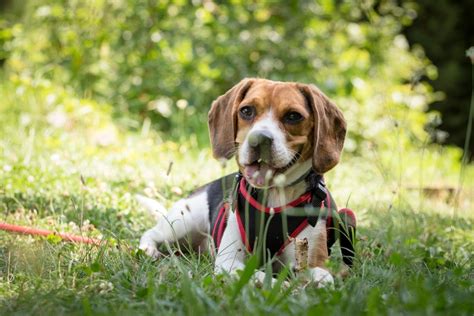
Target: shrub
167	60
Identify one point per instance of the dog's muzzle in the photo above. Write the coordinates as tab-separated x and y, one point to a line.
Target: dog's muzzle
260	168
260	143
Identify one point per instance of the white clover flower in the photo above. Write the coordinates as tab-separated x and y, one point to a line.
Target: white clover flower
268	175
279	180
272	211
105	287
255	175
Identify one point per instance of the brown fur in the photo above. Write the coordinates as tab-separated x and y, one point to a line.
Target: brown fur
223	113
320	135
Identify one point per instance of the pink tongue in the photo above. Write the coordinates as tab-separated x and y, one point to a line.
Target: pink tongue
257	178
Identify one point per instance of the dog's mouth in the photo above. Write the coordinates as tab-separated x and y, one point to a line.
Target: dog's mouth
261	173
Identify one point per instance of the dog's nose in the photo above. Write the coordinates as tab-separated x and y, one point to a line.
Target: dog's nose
260	138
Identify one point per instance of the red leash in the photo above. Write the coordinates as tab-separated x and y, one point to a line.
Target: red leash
43	232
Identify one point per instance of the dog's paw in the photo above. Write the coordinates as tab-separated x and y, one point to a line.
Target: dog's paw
150	250
259	279
321	277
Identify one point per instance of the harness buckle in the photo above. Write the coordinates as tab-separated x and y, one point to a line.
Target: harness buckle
320	191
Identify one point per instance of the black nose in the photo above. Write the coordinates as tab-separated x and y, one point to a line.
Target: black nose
260	139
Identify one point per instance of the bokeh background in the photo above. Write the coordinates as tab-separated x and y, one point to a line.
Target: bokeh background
165	61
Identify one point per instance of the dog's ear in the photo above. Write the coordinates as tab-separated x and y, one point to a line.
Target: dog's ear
329	129
223	119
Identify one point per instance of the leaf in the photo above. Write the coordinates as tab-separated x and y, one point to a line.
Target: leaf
54	239
273	297
96	267
245	275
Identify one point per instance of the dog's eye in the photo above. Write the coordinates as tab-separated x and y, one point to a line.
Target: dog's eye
247	112
292	117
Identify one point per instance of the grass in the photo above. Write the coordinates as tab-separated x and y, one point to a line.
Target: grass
65	165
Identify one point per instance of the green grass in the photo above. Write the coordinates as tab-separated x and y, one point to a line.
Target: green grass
415	252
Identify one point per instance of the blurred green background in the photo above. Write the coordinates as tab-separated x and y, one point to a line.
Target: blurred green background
163	62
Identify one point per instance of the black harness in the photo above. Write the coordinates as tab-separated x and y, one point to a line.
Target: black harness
269	230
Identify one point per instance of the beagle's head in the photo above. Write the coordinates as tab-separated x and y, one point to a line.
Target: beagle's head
276	128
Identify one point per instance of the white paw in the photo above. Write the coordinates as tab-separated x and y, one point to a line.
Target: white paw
321	277
259	279
150	250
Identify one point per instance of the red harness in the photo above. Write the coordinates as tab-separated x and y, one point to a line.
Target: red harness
302	222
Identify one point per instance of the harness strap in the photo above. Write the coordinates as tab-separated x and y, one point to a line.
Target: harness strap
295	233
292	235
220	224
269	210
304	224
317	192
243	235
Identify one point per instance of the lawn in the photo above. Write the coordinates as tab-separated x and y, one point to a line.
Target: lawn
67	165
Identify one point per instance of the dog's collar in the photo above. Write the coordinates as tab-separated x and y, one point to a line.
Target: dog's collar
316	187
305	198
304	176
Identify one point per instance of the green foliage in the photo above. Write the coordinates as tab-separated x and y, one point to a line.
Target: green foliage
167	60
5	37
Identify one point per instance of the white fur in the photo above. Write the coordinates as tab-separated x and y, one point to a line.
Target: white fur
321	277
187	218
231	255
289	190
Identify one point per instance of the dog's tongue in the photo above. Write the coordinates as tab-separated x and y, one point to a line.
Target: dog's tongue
257	173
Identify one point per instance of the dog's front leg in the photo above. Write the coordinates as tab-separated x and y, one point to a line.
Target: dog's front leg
231	253
321	277
187	218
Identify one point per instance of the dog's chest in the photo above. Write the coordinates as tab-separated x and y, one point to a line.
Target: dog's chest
267	233
263	227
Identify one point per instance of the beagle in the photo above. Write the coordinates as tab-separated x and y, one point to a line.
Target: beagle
285	136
